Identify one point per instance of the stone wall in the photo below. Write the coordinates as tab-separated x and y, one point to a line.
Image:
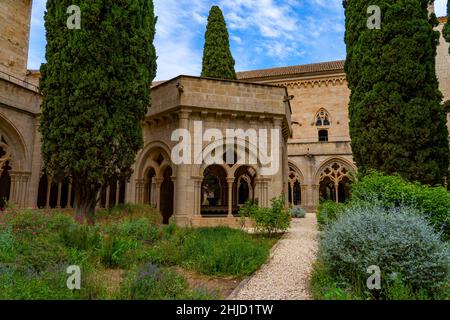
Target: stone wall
15	18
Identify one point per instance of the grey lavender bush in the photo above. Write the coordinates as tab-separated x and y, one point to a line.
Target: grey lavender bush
397	240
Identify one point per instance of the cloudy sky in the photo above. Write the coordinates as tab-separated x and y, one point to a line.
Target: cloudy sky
263	33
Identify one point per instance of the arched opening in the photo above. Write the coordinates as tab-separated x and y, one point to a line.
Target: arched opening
243	192
244	186
344	189
327	190
150	188
294	188
42	192
5	178
214	196
335	182
5	184
167	194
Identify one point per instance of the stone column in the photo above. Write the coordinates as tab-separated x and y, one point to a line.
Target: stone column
108	196
49	189
117	192
336	190
158	193
197	196
153	200
315	196
69	195
182	185
25	188
58	201
230	182
292	193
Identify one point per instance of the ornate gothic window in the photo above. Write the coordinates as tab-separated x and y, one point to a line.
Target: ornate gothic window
294	188
335	182
322	118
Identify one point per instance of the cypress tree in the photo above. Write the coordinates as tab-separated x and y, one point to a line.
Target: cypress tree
96	92
397	121
218	61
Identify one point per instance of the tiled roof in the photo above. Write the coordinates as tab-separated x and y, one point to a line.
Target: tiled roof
285	71
442	19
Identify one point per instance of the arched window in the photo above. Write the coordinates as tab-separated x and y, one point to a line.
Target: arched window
323	135
322	118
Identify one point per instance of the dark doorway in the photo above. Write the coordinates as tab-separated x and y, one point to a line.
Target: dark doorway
166	199
5	186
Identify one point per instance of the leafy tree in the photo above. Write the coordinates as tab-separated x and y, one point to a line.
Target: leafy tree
218	61
397	121
96	92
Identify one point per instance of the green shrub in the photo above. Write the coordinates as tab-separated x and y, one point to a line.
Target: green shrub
154	283
116	251
7	245
389	191
397	240
223	251
129	212
298	212
328	212
81	237
141	230
268	220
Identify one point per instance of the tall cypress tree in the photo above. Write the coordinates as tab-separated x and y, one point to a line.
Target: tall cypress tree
96	92
397	121
218	61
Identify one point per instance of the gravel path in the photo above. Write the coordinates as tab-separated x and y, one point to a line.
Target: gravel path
286	275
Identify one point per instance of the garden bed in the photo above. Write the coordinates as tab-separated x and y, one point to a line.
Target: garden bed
127	255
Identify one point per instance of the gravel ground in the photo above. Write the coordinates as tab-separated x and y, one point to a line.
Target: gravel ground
286	275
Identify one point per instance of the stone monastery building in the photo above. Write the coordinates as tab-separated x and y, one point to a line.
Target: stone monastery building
306	104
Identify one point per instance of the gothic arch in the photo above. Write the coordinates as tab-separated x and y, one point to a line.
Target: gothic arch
250	151
334	178
322	118
144	160
350	168
14	143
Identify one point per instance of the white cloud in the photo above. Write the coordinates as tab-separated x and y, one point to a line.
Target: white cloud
440	7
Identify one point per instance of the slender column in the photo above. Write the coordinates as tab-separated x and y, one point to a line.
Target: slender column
108	195
12	194
49	189
197	196
25	179
117	192
292	193
99	200
153	193
230	182
158	193
182	183
336	189
69	195
58	201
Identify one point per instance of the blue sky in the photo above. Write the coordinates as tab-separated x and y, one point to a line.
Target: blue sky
263	33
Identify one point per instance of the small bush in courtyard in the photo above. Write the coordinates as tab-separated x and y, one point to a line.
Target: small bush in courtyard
328	212
298	212
277	218
398	241
389	191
